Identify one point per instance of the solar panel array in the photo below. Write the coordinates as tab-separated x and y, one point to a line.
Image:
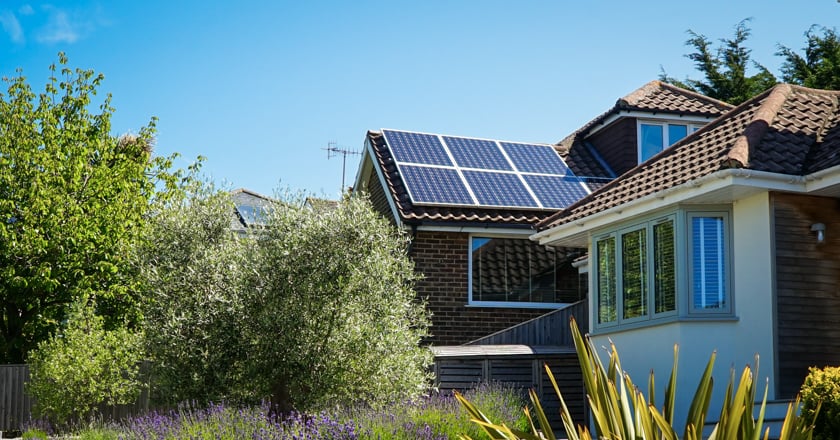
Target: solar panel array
450	170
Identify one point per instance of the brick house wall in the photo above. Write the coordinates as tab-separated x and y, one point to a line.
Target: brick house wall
807	287
442	258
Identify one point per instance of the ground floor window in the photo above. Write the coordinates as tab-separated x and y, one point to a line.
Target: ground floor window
520	272
636	268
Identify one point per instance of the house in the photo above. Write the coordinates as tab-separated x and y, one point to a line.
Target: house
470	206
249	210
728	241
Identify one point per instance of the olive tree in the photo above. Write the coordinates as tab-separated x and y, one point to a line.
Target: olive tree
314	309
192	268
332	313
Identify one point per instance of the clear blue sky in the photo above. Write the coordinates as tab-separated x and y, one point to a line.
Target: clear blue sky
260	88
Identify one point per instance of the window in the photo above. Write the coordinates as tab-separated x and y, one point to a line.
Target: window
520	271
707	244
636	276
636	269
655	136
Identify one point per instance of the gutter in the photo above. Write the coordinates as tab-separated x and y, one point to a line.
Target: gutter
472	227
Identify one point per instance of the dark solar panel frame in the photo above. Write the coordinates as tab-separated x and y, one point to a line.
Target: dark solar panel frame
532	158
477	153
556	192
419	148
439	186
499	189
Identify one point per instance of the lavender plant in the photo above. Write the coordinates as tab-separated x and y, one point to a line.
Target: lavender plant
436	417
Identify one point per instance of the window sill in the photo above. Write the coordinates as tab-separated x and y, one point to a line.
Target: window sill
516	305
663	321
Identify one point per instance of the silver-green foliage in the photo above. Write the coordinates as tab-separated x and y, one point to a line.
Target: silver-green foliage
192	266
84	366
315	309
333	316
621	411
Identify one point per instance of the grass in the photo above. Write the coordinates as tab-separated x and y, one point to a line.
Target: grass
436	417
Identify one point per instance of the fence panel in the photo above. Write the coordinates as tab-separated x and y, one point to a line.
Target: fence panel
15	403
465	366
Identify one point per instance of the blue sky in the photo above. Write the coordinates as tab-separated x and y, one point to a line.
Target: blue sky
261	88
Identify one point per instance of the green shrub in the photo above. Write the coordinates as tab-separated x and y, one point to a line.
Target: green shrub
821	393
82	367
35	434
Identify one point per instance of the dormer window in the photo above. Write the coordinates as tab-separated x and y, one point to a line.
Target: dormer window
655	136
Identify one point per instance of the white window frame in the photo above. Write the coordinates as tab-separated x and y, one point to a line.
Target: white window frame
683	259
690	128
499	304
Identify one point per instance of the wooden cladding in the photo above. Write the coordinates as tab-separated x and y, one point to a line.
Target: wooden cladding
807	287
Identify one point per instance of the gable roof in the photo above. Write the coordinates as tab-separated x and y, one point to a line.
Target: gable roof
653	97
787	130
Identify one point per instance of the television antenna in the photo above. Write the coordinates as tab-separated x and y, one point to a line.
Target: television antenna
334	150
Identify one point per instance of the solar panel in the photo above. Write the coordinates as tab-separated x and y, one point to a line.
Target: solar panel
435	185
450	170
417	148
542	159
477	153
556	191
499	189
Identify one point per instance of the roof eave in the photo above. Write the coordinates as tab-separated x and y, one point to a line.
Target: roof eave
722	186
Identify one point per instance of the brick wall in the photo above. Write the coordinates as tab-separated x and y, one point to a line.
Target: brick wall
442	258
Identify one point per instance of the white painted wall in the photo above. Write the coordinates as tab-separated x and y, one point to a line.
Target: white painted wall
736	342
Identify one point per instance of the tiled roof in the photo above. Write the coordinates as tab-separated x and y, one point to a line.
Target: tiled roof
655	96
411	213
787	130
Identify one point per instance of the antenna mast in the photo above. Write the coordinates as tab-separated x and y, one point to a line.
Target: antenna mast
334	150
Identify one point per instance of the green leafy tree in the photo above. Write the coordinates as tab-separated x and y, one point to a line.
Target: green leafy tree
84	366
192	268
72	202
724	68
332	314
820	66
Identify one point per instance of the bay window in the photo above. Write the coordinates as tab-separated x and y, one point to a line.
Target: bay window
636	267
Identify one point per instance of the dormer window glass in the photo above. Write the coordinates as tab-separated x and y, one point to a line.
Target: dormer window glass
656	136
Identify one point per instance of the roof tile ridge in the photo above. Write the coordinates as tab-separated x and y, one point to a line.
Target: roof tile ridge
634	97
698	95
739	155
825	125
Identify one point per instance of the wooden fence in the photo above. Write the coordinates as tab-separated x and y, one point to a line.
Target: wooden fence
16	404
549	329
466	366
